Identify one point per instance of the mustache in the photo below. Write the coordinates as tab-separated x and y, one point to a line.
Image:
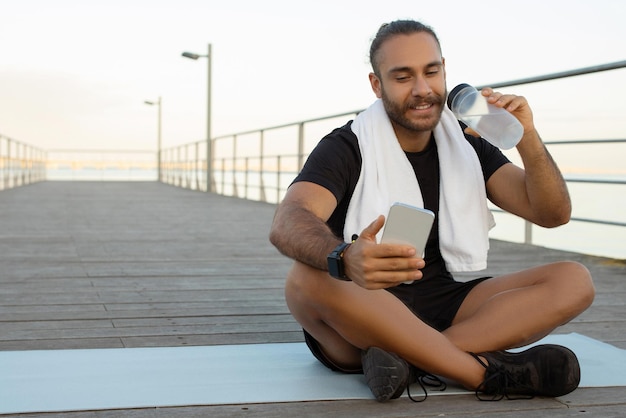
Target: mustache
432	100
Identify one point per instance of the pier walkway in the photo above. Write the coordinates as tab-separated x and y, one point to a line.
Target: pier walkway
143	264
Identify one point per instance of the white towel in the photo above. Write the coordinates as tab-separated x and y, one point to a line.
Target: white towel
387	177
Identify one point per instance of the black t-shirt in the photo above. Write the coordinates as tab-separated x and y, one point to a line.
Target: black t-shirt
335	164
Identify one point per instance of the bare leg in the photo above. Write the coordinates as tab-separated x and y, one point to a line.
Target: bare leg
345	319
499	313
520	308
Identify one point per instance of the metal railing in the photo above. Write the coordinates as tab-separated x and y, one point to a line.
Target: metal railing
256	175
261	175
20	163
280	151
257	164
528	226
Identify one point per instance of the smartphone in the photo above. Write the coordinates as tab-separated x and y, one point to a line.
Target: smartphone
408	224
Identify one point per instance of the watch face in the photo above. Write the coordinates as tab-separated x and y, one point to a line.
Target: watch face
332	268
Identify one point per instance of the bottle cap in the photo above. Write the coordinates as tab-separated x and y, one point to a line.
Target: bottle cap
454	92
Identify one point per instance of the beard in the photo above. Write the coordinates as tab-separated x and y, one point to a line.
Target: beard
397	113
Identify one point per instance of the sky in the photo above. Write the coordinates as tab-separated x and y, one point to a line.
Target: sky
75	74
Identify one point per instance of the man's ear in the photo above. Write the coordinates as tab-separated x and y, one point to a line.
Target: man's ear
376	85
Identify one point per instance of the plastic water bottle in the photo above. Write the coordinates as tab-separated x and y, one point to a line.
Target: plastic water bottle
493	123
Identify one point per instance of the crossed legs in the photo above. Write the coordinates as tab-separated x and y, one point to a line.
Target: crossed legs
499	313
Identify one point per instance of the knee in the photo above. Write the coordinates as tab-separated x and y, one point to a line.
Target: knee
302	286
579	284
294	289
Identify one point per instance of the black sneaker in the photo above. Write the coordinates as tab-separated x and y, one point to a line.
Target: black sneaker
543	370
387	375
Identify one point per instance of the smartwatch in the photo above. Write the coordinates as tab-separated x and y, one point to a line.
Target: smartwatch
335	262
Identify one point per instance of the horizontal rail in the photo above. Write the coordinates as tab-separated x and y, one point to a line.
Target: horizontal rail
99	151
586	141
563	74
592	181
578	219
272	173
289	125
234	174
598	221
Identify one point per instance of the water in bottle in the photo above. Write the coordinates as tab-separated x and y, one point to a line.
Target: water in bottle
493	123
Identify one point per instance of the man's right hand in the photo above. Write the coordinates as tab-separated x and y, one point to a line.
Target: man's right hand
378	266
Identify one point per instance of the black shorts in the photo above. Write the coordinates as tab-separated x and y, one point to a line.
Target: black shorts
435	301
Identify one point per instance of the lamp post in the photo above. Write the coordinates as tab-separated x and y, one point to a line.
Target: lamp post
157	103
209	145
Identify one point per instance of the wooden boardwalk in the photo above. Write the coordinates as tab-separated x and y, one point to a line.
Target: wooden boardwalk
116	264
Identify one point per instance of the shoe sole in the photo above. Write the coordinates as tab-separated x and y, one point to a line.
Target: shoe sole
386	374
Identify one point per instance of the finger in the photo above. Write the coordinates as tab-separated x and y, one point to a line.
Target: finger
386	252
515	103
486	91
508	101
372	229
496	98
398	263
381	280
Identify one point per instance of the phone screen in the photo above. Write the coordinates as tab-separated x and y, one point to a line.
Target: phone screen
408	224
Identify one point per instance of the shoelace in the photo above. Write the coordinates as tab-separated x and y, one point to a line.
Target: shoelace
505	380
425	380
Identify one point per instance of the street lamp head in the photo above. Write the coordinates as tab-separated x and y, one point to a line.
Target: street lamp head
149	103
190	55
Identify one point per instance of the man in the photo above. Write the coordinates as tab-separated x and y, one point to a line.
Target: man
404	147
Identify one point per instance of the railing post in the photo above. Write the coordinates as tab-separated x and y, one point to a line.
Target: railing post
7	180
245	182
19	172
196	165
186	166
300	145
28	155
278	171
21	163
528	232
179	178
235	189
262	196
209	167
223	176
2	164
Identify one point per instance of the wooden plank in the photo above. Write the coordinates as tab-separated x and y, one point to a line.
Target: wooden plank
143	311
61	344
261	337
113	265
203	320
81	333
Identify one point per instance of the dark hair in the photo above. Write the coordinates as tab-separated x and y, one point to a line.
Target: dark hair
397	27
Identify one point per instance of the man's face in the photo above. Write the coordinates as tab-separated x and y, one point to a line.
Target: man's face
412	82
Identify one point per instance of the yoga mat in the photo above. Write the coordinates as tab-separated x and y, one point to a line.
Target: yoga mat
72	380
